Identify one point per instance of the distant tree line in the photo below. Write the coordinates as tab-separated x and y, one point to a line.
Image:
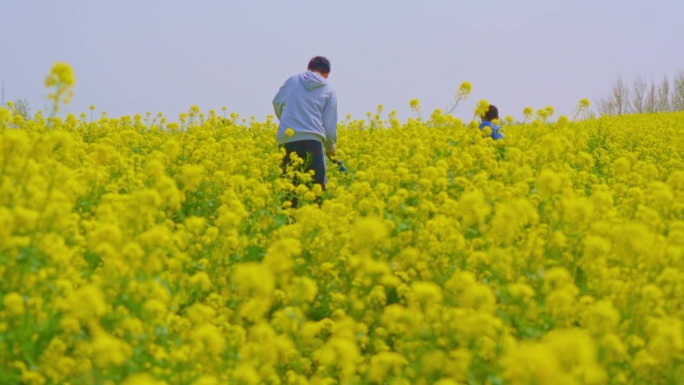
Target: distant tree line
642	96
19	107
22	107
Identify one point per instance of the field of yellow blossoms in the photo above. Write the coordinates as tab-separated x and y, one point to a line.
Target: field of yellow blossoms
140	251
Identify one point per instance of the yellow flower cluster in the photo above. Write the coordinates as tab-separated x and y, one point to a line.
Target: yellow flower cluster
61	79
145	252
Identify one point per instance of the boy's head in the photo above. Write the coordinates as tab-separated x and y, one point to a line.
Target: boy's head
321	65
491	114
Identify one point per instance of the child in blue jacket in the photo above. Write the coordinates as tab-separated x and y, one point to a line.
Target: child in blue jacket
487	118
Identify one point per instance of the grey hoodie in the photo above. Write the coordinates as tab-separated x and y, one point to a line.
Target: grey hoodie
307	104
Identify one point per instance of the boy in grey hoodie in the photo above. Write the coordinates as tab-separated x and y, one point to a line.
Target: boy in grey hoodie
307	105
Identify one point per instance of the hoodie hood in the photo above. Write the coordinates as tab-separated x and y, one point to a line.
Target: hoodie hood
312	80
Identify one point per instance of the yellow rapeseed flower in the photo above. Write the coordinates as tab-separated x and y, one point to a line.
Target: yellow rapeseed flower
145	251
13	304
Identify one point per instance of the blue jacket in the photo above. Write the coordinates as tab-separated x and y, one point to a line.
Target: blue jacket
496	129
307	104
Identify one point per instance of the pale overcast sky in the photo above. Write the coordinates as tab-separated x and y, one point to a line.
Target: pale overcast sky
134	56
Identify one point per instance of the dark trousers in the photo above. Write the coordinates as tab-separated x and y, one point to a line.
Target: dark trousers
314	159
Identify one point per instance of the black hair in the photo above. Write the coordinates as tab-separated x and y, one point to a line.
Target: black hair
491	114
320	64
